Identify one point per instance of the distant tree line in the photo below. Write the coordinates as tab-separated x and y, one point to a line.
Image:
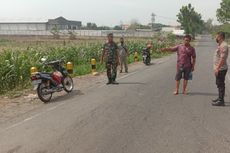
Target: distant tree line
193	24
133	26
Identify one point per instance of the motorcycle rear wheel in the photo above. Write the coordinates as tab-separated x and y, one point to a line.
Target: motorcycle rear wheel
42	95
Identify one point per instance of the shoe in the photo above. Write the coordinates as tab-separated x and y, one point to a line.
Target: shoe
215	100
218	103
109	82
120	71
115	82
126	72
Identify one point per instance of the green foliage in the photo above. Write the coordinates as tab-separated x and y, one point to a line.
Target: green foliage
171	37
91	26
223	13
225	28
190	20
208	26
3	41
117	27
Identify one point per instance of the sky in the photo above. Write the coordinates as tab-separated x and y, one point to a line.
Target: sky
103	12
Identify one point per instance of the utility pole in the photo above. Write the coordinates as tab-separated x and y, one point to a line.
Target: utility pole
153	16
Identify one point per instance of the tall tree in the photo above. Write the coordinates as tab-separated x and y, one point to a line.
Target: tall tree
91	26
190	20
208	25
223	13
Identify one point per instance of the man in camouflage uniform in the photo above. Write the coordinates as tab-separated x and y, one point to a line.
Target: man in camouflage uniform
110	56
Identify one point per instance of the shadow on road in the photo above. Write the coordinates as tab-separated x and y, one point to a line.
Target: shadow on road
151	64
205	41
205	46
67	96
227	104
202	94
132	83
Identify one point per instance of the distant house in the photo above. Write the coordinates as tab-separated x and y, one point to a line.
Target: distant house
63	24
174	30
125	26
60	22
179	33
168	29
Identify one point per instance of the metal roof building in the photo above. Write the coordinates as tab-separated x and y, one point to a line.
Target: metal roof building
61	23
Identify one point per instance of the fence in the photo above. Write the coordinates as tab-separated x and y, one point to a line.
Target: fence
93	33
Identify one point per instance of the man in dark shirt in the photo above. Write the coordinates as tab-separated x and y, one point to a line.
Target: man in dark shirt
110	56
186	59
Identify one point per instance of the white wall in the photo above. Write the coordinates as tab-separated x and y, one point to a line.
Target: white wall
95	33
22	26
168	29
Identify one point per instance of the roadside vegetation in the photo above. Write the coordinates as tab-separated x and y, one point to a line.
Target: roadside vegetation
15	62
223	16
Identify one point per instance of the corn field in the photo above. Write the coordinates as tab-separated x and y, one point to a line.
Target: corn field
15	64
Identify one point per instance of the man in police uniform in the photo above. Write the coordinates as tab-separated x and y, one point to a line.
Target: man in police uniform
110	56
220	67
123	52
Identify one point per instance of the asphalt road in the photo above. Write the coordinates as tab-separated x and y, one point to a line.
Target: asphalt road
141	115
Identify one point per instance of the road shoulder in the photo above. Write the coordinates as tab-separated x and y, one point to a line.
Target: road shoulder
11	108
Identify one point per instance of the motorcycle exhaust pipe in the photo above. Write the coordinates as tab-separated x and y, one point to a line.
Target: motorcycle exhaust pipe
49	91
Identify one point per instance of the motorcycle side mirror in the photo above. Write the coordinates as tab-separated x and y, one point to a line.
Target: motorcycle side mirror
43	59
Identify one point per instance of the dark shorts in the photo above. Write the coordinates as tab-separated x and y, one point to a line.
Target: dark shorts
183	73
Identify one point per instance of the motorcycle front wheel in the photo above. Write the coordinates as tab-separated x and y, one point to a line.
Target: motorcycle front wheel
43	93
68	84
148	61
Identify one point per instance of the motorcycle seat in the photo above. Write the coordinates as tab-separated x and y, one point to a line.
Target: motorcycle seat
46	75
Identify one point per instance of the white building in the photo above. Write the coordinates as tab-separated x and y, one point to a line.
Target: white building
174	30
61	23
23	26
168	29
179	32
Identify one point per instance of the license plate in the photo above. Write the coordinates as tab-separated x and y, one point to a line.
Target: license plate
35	83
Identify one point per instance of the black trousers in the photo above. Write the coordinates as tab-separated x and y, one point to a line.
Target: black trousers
220	82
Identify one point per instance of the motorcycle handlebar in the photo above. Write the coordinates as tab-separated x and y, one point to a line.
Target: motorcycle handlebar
54	62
